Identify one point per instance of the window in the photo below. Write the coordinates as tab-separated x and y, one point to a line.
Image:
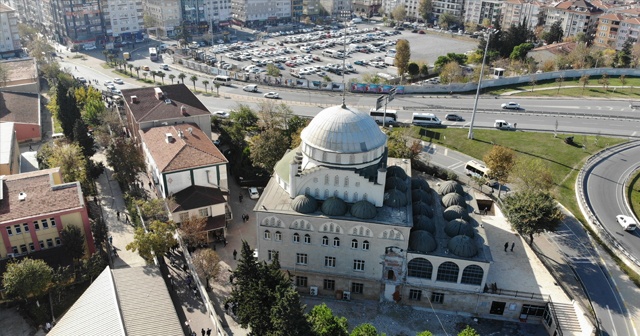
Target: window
472	275
278	236
365	245
296	238
336	180
448	272
58	241
326	177
32	247
307	239
25	226
329	261
325	241
301	258
301	281
204	212
49	242
267	234
17	229
420	268
45	224
23	248
53	222
329	284
272	254
532	310
357	288
358	265
9	231
336	242
41	242
354	243
415	294
437	297
36	225
15	249
184	217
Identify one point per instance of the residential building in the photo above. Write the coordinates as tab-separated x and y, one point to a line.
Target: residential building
453	7
482	11
10	45
9	150
577	16
514	12
165	14
336	8
366	8
629	29
258	13
217	13
123	20
23	110
297	10
164	105
551	52
607	30
35	207
189	170
78	23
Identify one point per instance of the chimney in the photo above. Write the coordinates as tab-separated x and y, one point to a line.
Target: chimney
183	110
181	134
190	129
22	196
168	137
158	93
134	99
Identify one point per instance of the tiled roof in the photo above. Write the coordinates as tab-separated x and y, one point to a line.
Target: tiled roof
611	16
19	107
43	196
150	108
216	222
635	21
5	8
195	197
193	149
577	5
557	48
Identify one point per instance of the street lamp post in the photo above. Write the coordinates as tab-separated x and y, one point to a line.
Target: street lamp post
475	103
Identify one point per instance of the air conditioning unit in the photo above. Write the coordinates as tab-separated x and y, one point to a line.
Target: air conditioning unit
11	255
313	290
346	296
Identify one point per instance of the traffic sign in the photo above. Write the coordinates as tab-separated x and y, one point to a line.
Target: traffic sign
392	94
379	102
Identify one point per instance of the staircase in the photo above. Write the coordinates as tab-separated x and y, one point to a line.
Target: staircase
565	314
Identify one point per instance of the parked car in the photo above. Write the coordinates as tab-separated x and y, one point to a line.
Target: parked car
118	81
221	114
511	106
272	95
81	79
145	68
453	117
253	193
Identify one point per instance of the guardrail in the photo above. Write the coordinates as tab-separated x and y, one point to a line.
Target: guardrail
587	210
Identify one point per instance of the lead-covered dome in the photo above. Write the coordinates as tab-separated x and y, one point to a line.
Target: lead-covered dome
463	246
455	211
304	204
343	130
450	187
458	227
422	241
363	209
451	199
334	206
422	222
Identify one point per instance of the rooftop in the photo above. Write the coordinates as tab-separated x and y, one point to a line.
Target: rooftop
189	150
19	107
21	71
43	192
149	108
6	144
195	197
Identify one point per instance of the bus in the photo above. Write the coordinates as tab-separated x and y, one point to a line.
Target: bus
476	169
153	54
222	80
391	117
425	119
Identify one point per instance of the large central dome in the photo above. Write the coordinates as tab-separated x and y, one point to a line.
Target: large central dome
343	130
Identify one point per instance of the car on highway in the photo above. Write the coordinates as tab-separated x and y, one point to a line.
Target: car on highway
453	117
145	68
108	83
116	91
81	79
627	222
253	193
272	95
511	106
221	114
164	67
118	81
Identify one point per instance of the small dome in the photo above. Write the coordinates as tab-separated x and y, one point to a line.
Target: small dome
395	198
463	246
453	199
455	211
364	210
450	187
395	183
422	241
421	195
421	208
304	204
418	183
396	171
422	222
457	227
334	206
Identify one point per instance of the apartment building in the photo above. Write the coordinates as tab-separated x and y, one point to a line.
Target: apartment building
366	8
258	13
479	11
515	12
217	13
453	7
629	28
577	16
9	37
337	8
166	14
607	30
124	19
77	23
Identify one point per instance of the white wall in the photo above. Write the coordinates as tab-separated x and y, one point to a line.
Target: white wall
348	182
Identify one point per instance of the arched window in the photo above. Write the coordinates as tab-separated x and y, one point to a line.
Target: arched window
354	243
472	275
325	241
326	179
345	196
448	272
336	242
335	193
420	268
307	191
267	234
365	245
336	180
316	193
307	239
355	197
326	193
278	236
346	181
296	238
364	197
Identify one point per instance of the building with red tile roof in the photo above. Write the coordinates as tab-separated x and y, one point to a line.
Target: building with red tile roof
576	16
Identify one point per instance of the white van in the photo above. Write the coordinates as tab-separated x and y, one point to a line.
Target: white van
627	222
329	52
250	88
222	80
501	124
425	119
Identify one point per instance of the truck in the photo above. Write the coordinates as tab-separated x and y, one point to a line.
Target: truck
126	56
390	61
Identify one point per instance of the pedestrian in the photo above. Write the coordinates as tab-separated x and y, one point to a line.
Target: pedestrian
231	279
235	253
127	217
118	214
95	200
30	149
506	245
208	331
150	185
110	240
512	245
240	198
204	332
515	125
225	243
226	307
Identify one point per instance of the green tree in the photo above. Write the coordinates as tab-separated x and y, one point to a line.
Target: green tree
217	86
403	55
520	51
161	74
623	56
70	160
126	161
68	111
72	241
425	333
205	83
155	242
531	173
500	161
413	69
447	20
441	61
194	79
425	10
555	33
365	329
585	81
83	138
268	147
273	71
324	323
130	66
468	331
153	209
99	232
424	70
287	314
182	76
532	212
27	278
604	80
399	13
207	264
172	77
451	73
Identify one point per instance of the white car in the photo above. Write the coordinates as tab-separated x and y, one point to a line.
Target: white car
89	47
164	67
221	114
272	95
511	106
118	81
253	193
116	91
107	83
111	86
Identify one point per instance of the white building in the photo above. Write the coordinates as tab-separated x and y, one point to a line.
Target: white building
578	16
516	11
477	11
217	12
166	14
124	19
9	37
256	13
453	7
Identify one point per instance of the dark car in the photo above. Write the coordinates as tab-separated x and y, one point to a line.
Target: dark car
453	117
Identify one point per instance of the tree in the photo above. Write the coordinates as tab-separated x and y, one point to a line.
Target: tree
585	81
72	241
99	231
398	148
441	61
68	111
207	264
403	55
451	73
161	74
623	57
153	75
153	209
604	80
137	69
194	79
500	161
365	329
468	331
126	161
532	212
447	20
399	13
193	231
425	333
217	86
555	33
424	70
268	147
532	174
324	323
83	138
520	51
273	71
205	83
155	242
27	278
130	66
533	81
182	76
172	77
287	315
413	68
425	10
70	160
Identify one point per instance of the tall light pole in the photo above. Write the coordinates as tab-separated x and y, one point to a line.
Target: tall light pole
475	103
